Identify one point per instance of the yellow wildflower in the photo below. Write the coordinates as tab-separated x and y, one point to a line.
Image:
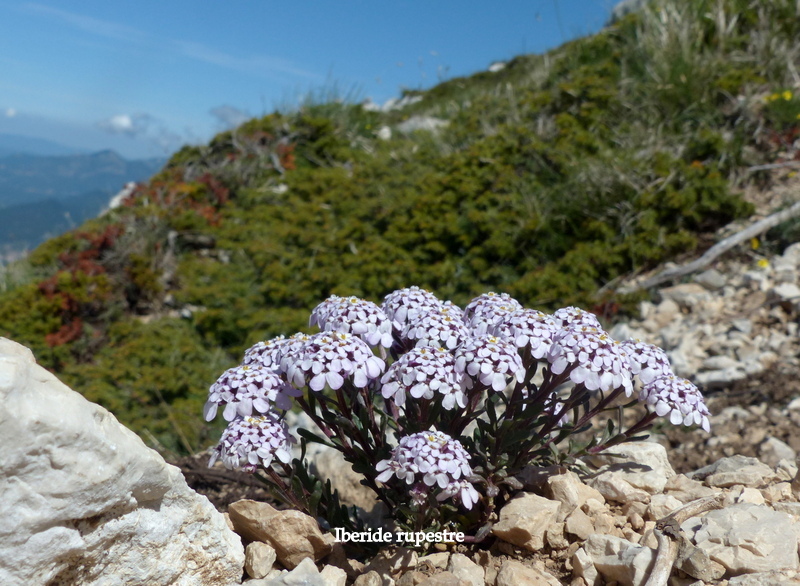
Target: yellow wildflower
755	243
787	95
763	263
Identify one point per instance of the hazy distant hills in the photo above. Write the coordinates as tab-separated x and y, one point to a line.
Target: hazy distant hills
29	178
11	144
44	195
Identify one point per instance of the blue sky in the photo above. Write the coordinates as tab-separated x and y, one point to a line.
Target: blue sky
145	77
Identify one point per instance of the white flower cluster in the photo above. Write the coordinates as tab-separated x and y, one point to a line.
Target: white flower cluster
249	442
438	328
407	304
646	360
428	459
491	361
484	313
328	358
451	352
423	373
678	398
529	328
593	359
355	316
247	387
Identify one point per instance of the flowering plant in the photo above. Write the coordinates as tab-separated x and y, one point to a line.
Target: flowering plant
440	407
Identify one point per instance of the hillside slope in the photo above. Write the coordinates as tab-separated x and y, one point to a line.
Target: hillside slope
547	180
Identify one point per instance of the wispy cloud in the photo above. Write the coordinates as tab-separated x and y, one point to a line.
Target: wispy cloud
142	126
261	65
89	24
228	116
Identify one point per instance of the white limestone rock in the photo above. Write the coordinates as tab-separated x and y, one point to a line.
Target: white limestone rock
524	520
514	573
747	538
733	470
258	559
86	502
620	560
465	569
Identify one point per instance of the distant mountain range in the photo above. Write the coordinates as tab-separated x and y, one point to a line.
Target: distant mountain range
14	144
42	196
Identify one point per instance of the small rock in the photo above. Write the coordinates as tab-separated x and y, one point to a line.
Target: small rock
435	560
466	570
305	574
444	579
746	494
646	454
514	573
766	579
258	559
393	561
775	493
372	579
620	560
555	536
720	363
614	487
685	295
294	535
711	279
734	470
333	576
579	525
412	578
772	450
583	567
686	490
695	562
746	538
524	520
786	292
662	505
570	492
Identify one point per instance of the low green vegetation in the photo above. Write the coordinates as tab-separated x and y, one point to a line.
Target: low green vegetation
552	177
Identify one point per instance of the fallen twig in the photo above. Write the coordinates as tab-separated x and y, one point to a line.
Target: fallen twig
669	536
770	166
715	251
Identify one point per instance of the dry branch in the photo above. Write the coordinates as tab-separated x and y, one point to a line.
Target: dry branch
715	251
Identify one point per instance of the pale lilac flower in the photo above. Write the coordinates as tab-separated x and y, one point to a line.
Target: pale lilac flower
451	309
267	353
486	311
407	304
429	459
491	361
575	316
328	358
421	373
462	490
245	388
678	398
291	352
529	328
646	360
436	328
355	316
248	442
592	358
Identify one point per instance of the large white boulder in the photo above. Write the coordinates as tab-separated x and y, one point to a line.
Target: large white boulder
84	501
